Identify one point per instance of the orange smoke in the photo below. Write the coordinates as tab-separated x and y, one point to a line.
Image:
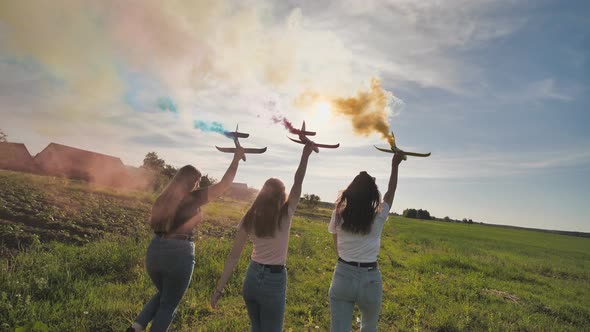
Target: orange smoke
367	110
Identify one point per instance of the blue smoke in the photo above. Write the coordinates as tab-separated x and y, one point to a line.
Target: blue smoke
210	127
167	104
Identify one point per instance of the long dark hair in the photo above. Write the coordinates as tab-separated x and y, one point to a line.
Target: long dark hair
167	203
265	215
357	205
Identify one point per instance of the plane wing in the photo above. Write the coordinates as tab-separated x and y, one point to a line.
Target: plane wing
226	150
381	149
416	154
407	153
253	150
328	146
295	140
235	134
246	150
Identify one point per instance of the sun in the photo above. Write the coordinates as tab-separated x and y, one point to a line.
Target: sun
322	111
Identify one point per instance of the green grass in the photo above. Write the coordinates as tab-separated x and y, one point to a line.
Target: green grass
436	276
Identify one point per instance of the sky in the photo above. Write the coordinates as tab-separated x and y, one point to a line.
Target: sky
498	91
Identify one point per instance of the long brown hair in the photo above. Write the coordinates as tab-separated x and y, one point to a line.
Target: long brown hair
357	205
167	203
265	215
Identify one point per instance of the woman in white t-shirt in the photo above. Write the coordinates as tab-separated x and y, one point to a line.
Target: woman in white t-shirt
267	224
356	225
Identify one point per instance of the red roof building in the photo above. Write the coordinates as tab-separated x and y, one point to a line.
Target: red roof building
16	157
62	160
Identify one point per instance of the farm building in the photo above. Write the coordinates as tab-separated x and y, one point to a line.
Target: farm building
240	191
73	163
238	186
16	157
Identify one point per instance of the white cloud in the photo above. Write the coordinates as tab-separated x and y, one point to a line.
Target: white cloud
546	89
417	41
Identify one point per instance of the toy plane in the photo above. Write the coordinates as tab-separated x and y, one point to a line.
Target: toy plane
235	135
303	139
395	149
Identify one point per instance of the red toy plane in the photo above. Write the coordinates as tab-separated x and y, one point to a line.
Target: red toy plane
302	133
395	149
235	135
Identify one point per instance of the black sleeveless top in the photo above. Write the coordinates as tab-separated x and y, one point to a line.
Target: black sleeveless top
189	207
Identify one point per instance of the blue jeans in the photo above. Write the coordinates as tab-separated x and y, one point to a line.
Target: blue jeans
169	264
265	295
350	285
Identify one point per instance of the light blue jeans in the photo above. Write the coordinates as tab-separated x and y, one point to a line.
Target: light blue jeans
169	264
350	285
265	295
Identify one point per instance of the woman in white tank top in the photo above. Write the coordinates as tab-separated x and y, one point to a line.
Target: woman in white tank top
356	225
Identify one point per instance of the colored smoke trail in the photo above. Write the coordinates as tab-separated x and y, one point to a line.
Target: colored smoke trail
167	104
368	110
283	120
211	127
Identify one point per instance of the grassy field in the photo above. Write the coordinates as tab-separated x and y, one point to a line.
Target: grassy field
72	258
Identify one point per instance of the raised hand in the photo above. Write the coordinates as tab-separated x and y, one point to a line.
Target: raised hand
308	148
398	157
239	153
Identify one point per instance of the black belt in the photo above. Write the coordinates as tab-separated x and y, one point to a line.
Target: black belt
358	264
175	236
273	268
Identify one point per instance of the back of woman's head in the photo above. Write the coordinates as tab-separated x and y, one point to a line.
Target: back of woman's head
357	205
166	204
265	215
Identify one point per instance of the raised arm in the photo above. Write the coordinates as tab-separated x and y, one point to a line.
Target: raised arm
230	264
219	188
395	161
295	193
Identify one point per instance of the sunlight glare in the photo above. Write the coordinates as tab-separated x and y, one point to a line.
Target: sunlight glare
322	111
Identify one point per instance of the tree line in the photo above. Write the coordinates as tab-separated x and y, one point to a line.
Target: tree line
425	215
165	172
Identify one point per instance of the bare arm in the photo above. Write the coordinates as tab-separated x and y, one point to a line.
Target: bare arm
218	189
295	193
230	264
395	161
335	238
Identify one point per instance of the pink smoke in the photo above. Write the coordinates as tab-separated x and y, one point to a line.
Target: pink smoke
283	120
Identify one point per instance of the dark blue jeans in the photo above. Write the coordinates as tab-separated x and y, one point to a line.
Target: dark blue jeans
169	264
350	285
265	295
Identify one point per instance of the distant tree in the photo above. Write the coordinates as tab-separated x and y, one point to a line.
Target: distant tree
423	214
417	214
169	171
206	181
153	162
447	219
2	136
410	213
163	172
311	200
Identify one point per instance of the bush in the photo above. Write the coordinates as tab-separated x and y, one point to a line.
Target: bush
310	200
417	214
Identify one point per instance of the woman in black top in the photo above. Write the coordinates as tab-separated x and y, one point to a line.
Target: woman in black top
170	256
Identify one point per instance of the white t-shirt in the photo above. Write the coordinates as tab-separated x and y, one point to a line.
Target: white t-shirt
362	248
